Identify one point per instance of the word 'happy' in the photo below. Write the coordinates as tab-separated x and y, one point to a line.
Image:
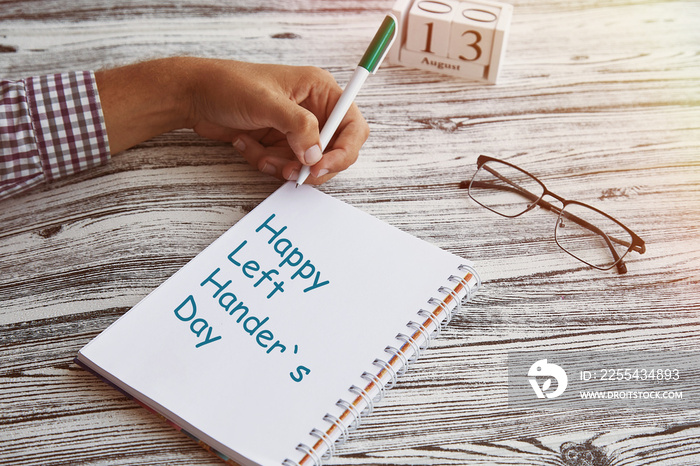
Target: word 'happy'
291	256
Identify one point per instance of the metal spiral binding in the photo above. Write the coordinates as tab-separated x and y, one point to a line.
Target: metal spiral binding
360	392
347	406
372	378
430	316
311	452
416	349
344	431
399	355
458	303
375	380
440	303
327	440
464	283
470	269
470	290
390	369
424	331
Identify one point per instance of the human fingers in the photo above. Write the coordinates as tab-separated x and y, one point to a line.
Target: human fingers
278	161
344	149
299	125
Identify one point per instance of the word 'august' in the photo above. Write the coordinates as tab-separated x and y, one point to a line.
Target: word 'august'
291	256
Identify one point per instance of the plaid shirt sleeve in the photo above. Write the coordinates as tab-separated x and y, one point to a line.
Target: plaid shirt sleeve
50	127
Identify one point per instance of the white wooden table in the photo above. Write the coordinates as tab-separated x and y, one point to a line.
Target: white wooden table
600	99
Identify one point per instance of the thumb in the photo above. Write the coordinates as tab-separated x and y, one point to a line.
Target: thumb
300	126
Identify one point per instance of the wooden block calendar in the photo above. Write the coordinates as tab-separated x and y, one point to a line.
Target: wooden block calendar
460	38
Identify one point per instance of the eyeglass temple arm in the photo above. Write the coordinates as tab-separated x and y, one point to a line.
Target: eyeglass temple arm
621	267
540	201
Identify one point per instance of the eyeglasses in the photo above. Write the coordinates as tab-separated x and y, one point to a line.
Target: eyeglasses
586	233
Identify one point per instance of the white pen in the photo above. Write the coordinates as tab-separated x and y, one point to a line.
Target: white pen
369	63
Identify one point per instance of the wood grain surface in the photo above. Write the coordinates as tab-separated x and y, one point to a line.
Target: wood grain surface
598	98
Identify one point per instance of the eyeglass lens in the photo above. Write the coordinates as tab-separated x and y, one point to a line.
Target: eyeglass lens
586	234
591	237
506	190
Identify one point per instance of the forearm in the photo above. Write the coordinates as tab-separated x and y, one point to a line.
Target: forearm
270	113
146	99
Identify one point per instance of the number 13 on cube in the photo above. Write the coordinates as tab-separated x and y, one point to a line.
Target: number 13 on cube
459	38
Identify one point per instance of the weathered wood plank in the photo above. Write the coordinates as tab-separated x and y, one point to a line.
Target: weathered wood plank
599	99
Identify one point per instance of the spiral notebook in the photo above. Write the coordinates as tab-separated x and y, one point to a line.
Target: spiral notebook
271	345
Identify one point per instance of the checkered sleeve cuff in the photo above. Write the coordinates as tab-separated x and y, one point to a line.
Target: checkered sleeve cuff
67	118
50	127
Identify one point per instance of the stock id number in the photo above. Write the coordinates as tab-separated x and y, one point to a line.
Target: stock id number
655	374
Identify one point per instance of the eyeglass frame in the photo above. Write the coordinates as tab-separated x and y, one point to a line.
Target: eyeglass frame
637	243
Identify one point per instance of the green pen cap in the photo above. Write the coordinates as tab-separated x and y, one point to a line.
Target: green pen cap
380	45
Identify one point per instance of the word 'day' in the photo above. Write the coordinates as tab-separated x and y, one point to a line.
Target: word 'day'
465	39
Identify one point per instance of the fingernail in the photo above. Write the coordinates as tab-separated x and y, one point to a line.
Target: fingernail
293	176
269	169
312	154
321	172
239	145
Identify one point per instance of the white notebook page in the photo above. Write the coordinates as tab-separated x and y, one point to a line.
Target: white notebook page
323	297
